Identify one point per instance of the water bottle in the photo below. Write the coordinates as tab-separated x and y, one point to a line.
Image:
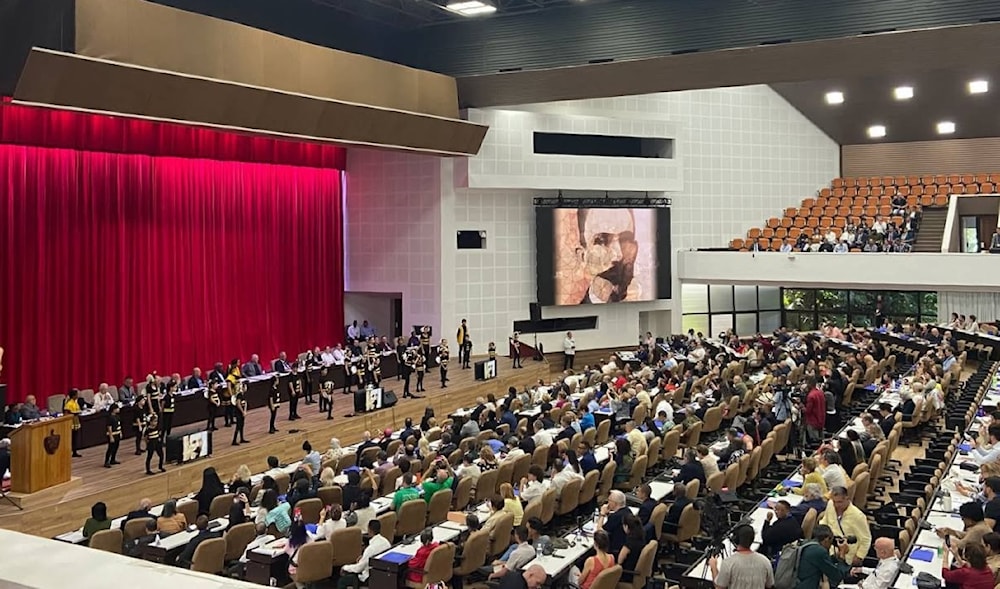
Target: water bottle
946	502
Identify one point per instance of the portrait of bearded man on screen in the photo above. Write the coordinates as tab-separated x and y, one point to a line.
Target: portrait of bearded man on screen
598	257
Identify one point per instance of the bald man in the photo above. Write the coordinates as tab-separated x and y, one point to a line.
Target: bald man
882	575
533	577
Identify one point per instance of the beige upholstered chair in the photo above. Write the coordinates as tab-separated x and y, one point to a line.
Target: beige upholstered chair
209	556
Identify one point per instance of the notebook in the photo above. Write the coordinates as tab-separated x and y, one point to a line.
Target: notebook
396	557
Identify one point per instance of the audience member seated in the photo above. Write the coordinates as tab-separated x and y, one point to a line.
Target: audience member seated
355	575
611	519
519	558
598	562
635	541
845	519
97	521
780	528
297	538
534	485
357	498
141	511
331	519
170	521
271	512
418	562
511	504
186	557
211	487
692	469
672	521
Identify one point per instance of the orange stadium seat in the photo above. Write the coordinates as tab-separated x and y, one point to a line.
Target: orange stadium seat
884	200
913	180
890	190
954	179
958	188
851	191
912	200
825	222
753	233
850	182
786	222
995	178
837	183
736	244
904	190
972	188
888	181
767	233
808	202
763	243
917	190
926	200
794	232
840	222
875	181
776	244
781	232
944	189
982	178
857	210
820	202
864	191
773	222
790	212
968	178
940	179
843	211
885	210
812	221
824	192
986	188
900	180
799	222
941	200
925	180
833	201
839	192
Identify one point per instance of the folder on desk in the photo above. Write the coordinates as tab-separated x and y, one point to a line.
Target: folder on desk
965	447
922	554
791	483
396	557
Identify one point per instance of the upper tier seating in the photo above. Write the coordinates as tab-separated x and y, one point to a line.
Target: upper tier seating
857	201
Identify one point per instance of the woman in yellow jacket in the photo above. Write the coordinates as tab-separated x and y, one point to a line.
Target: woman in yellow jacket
810	474
72	406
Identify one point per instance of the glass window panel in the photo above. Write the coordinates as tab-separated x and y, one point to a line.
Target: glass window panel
831	299
746	324
838	319
929	304
720	298
862	301
694	299
746	298
798	299
769	298
805	321
929	319
698	322
769	321
861	320
900	303
721	322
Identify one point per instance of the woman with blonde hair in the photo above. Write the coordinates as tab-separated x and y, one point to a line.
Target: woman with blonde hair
488	459
511	504
424	448
811	474
335	451
326	478
240	478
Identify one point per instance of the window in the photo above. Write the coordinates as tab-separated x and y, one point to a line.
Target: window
714	309
809	309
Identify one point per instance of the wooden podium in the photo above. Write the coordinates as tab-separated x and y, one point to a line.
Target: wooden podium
40	454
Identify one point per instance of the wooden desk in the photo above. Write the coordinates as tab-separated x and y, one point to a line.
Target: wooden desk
40	454
264	564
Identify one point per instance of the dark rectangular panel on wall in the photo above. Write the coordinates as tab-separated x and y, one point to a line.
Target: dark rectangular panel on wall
31	23
922	157
633	29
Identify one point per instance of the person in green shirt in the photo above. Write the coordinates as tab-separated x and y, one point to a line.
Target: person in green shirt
816	562
406	493
442	478
97	521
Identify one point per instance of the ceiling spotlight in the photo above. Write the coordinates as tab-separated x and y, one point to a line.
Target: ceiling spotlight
834	97
979	87
903	92
945	128
471	7
876	131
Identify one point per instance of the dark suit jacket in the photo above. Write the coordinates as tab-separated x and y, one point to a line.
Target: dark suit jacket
217	376
282	366
691	471
137	514
4	462
646	510
886	424
615	527
673	518
778	533
252	369
194	383
187	555
364	446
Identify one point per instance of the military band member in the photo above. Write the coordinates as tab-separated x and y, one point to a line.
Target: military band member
400	358
309	376
214	402
239	413
274	401
425	342
515	346
233	376
443	355
464	342
493	351
373	370
326	398
294	392
139	416
406	366
114	427
168	404
153	397
154	442
420	365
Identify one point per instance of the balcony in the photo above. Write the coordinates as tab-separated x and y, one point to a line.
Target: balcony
877	271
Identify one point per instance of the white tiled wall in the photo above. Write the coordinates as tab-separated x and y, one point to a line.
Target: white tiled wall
393	230
507	158
746	155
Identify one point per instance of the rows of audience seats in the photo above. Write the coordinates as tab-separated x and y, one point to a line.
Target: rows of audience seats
858	201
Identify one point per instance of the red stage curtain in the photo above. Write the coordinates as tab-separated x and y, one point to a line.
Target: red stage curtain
117	264
47	127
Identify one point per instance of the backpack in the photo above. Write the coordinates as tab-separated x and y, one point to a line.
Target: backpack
786	575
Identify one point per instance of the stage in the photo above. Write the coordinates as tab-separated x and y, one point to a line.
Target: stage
122	486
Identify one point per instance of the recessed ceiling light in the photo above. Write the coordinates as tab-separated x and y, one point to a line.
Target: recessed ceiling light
979	87
903	92
945	127
834	97
876	131
471	7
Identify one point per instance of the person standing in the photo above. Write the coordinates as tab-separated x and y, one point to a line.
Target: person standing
815	414
464	343
294	392
154	443
212	396
744	569
443	355
421	367
400	353
233	376
167	405
492	351
406	364
239	414
569	351
326	398
140	412
425	341
71	406
114	427
515	350
274	401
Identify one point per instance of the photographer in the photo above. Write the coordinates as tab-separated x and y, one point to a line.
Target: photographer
744	569
815	561
847	521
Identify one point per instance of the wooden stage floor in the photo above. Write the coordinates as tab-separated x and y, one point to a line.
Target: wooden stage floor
122	486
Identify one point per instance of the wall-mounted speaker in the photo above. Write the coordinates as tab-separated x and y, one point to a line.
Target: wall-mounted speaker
535	311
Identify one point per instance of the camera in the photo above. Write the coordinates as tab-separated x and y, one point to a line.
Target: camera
846	539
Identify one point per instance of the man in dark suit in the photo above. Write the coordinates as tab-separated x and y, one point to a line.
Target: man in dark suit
143	511
218	374
196	381
281	365
187	555
612	520
367	443
253	367
648	503
888	418
408	430
673	520
783	530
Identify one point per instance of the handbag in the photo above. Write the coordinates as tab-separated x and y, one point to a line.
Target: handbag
351	518
926	580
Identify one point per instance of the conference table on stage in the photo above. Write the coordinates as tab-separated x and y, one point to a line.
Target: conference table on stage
192	407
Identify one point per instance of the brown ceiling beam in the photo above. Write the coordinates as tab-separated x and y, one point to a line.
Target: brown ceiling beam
865	55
